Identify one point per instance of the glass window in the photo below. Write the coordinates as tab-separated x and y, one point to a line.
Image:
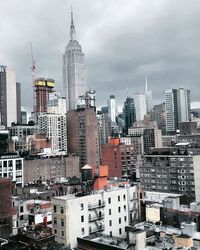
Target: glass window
61	210
82	218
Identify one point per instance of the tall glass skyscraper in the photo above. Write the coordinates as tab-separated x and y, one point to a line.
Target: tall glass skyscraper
177	107
74	71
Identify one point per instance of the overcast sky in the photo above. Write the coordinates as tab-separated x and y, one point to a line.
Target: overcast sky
123	40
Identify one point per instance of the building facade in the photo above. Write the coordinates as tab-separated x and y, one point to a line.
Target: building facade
129	115
140	106
46	169
177	107
6	207
8	96
12	166
112	108
55	127
104	125
43	88
120	159
173	170
74	71
107	211
83	136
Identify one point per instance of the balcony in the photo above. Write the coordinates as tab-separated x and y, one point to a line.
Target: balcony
96	205
95	217
99	228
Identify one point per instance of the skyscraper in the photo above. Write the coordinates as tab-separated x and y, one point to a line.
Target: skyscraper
18	96
177	107
149	100
112	109
140	106
43	88
129	113
8	96
74	71
83	137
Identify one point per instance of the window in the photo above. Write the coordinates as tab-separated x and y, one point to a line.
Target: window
55	231
110	233
110	223
62	233
82	218
82	230
109	211
62	222
54	209
124	208
124	197
82	206
21	209
124	218
55	220
119	209
120	221
118	198
109	200
21	217
120	231
61	210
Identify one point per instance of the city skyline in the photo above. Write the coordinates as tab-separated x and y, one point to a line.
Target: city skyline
122	43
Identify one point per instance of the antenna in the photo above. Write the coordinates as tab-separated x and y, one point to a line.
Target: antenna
33	67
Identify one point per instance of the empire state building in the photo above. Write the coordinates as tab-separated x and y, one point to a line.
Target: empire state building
74	71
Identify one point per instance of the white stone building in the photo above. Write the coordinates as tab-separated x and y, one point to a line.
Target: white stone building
104	211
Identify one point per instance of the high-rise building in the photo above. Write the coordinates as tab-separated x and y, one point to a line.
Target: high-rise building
83	136
149	99
129	113
8	96
43	88
112	108
145	138
23	117
177	107
104	125
74	71
56	104
172	170
18	96
158	114
120	159
54	125
140	106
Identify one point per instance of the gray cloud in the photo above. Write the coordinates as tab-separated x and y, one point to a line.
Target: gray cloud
123	40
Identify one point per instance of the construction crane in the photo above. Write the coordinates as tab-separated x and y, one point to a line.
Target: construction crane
33	67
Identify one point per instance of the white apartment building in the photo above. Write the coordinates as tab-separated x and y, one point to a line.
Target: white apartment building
12	166
104	211
54	125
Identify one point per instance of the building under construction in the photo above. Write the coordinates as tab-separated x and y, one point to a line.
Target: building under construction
43	87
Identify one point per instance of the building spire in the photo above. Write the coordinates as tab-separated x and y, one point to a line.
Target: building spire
72	27
146	85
